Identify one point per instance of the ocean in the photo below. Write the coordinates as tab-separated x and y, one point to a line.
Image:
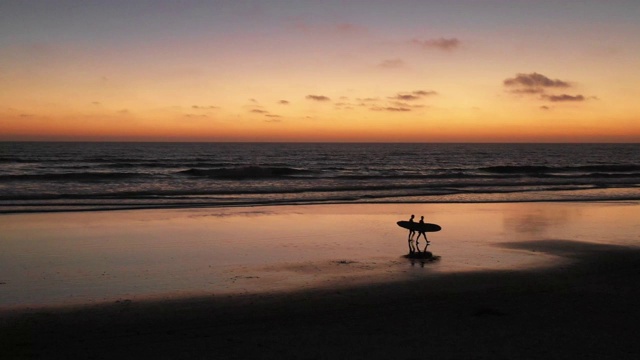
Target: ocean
51	176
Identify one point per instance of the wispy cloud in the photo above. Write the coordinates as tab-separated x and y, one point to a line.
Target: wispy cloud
527	91
444	44
405	101
318	98
425	93
401	104
390	108
345	103
413	95
368	99
266	113
206	107
392	64
563	97
405	97
348	28
283	102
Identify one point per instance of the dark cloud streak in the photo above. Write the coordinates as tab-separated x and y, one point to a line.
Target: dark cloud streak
390	108
443	44
563	97
405	97
320	98
424	93
414	95
534	81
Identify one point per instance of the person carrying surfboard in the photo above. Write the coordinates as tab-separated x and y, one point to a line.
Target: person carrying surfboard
421	227
412	232
422	232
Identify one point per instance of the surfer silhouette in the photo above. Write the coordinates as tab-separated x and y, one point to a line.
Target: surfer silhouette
411	234
423	233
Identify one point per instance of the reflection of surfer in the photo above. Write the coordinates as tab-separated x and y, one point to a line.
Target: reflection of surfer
411	234
422	232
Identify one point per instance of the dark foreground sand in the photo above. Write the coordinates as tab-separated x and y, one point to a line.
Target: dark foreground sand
587	308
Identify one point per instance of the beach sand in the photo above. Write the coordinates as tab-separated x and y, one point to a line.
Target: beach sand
526	280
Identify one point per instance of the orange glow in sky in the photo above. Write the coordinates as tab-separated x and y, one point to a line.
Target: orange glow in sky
277	70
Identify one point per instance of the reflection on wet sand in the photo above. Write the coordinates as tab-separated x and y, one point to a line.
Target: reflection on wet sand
105	256
585	308
539	221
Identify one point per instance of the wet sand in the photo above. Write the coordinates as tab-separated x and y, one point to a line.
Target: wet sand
566	291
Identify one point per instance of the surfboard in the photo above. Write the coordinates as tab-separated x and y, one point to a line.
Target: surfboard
426	227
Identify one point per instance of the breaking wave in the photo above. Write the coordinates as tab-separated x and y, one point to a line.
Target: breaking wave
41	175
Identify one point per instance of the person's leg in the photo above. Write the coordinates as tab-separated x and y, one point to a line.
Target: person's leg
425	237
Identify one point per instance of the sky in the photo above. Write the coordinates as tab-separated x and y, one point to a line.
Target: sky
284	70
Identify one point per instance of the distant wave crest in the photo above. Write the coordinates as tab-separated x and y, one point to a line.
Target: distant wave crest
71	176
569	169
246	172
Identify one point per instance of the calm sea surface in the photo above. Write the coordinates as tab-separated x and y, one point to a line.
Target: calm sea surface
83	176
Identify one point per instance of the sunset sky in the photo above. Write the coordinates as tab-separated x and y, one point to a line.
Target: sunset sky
362	70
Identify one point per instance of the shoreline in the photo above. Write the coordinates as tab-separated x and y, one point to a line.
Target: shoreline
61	208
